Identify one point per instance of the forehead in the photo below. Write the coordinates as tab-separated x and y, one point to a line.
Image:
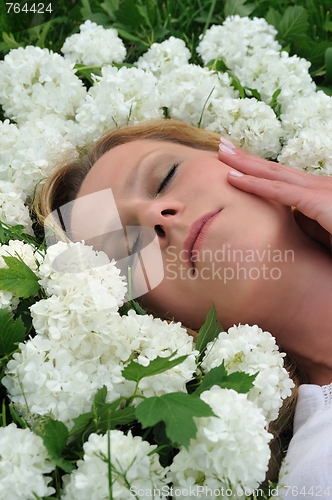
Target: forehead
114	167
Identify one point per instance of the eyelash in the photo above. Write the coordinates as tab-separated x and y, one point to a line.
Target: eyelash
162	186
167	179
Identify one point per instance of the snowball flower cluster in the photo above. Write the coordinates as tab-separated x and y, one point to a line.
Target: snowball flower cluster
129	457
79	347
249	349
23	462
250	123
94	46
27	155
224	41
186	91
161	58
232	447
117	98
35	82
255	58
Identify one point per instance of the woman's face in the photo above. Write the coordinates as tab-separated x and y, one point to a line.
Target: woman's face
218	244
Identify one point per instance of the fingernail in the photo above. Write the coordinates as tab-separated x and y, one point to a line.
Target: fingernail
235	173
227	142
226	149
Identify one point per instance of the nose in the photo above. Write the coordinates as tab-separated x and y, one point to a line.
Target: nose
162	216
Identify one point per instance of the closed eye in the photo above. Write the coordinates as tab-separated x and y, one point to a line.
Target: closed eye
167	178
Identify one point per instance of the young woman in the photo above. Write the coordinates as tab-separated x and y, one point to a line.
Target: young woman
227	235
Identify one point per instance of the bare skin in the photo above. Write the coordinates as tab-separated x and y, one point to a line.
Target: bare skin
252	215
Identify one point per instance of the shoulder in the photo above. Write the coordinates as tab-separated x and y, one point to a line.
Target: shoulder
307	467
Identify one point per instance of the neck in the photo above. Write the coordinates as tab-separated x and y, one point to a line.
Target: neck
301	318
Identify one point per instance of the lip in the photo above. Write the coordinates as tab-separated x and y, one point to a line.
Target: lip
197	233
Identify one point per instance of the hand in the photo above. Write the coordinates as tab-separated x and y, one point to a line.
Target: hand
310	194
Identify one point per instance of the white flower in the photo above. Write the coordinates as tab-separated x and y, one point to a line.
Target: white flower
237	38
186	91
310	149
249	349
307	112
23	462
35	82
56	383
250	123
232	447
269	71
12	209
117	98
129	456
161	58
94	46
28	154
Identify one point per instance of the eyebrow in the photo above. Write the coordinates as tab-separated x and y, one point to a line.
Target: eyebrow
132	177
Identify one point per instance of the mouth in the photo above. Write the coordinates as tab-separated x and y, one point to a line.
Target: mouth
197	233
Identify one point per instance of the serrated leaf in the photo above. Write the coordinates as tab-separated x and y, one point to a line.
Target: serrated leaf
177	411
112	419
293	22
55	434
216	376
100	397
134	371
18	278
328	64
233	7
273	17
11	332
80	424
209	331
238	381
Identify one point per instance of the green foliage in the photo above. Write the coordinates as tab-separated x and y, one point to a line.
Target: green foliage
208	332
18	278
239	381
11	332
240	7
134	371
55	435
177	411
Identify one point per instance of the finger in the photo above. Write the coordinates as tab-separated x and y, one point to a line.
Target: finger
253	165
305	200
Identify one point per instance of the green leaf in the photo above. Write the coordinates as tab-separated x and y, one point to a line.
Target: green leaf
129	14
177	411
327	90
112	419
55	434
18	278
144	13
239	381
233	7
328	64
237	85
254	93
11	332
10	40
273	17
209	331
293	22
134	371
80	424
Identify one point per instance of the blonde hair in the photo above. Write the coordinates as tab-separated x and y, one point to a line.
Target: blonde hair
64	184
